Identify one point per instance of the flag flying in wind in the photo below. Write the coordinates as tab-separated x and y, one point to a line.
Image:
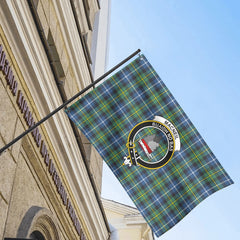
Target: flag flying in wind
150	144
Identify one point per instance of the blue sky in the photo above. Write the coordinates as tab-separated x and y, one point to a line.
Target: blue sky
195	48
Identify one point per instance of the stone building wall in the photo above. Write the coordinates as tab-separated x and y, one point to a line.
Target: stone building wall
49	180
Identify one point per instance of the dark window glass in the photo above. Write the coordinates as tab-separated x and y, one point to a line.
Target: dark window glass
36	235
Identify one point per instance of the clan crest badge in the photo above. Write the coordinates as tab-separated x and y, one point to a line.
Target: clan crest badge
152	143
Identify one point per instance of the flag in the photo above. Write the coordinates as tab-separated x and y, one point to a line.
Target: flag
150	144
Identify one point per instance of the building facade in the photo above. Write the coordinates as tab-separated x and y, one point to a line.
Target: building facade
126	222
50	180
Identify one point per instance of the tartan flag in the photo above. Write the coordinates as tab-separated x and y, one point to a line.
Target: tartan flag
150	144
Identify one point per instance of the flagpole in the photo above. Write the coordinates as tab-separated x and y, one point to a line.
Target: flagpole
68	101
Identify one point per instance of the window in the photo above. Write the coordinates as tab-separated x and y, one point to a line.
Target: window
87	13
38	224
36	235
55	57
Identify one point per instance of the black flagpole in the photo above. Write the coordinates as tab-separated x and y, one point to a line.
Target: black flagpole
67	102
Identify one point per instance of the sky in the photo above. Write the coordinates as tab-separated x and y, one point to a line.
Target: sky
194	46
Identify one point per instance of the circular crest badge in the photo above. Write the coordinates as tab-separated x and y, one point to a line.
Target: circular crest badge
152	143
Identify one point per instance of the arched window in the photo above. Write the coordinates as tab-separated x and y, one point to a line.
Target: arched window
36	235
38	224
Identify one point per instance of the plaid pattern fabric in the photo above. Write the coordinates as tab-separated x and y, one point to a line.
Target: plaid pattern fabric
107	114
